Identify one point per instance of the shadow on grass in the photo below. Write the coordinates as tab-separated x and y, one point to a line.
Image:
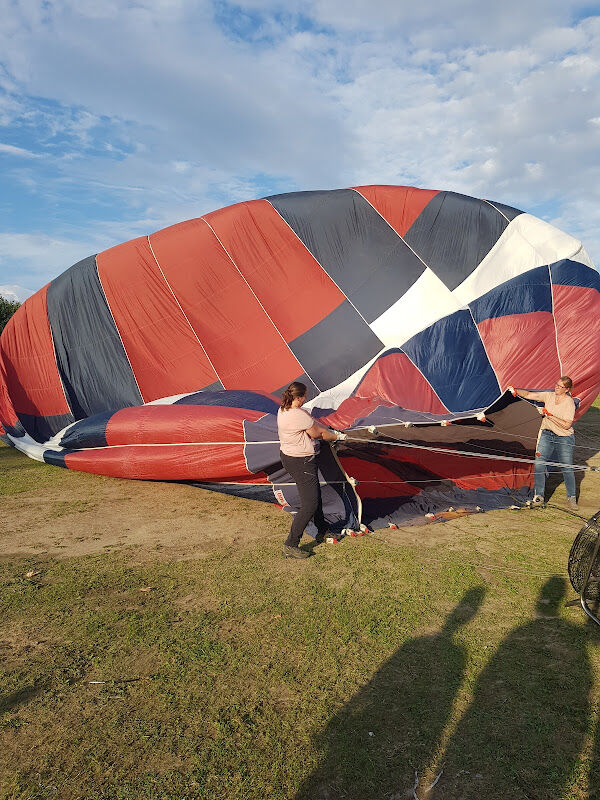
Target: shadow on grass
18	698
522	735
393	725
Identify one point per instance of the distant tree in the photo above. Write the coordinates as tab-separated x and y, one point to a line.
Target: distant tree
7	309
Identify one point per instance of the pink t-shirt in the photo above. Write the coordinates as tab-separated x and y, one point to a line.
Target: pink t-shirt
565	410
292	425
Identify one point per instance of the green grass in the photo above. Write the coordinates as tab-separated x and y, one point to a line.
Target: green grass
242	676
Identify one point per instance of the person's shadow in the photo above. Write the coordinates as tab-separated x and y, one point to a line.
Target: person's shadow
523	732
393	725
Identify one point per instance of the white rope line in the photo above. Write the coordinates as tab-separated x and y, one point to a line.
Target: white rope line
464	453
554	320
467	454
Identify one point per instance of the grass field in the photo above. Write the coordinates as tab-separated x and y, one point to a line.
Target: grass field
154	644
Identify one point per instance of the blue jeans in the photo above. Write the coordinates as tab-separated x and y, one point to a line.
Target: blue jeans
562	447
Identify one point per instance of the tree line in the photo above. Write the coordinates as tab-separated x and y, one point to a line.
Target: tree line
7	309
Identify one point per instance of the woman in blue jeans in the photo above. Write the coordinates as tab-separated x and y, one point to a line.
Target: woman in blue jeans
556	441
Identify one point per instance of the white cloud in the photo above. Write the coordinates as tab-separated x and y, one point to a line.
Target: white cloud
166	112
14	292
11	150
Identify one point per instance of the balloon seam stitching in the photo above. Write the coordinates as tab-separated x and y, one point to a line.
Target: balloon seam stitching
56	364
484	348
118	332
182	311
489	202
553	320
260	303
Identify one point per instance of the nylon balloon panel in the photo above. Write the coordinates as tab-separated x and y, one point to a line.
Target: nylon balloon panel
32	387
358	249
162	347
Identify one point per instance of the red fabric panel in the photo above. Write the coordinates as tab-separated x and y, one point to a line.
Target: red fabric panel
578	342
27	350
7	412
465	472
396	379
375	480
352	409
398	205
242	343
165	462
164	353
179	423
294	289
522	349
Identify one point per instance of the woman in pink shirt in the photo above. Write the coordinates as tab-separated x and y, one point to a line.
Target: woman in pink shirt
556	436
297	434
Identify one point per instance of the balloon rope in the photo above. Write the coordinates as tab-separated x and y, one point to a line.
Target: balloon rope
469	454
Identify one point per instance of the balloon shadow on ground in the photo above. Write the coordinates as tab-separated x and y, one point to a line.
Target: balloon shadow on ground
393	725
524	730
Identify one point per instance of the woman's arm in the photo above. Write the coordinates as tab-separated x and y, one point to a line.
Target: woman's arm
318	431
527	395
562	423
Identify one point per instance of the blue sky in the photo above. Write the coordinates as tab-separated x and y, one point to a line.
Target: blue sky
117	119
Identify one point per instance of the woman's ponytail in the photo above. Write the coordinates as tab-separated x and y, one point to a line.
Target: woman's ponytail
295	389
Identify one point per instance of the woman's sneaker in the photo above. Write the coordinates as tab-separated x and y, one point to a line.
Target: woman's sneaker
537	501
573	503
294	552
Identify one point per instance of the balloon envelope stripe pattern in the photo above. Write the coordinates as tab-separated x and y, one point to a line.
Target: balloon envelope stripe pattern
396	306
359	250
163	348
31	374
91	360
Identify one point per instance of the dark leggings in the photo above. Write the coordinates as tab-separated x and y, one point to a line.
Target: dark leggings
304	471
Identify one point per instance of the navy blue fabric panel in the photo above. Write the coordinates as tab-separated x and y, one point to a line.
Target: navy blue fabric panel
54	458
509	212
17	431
451	356
336	347
217	386
250	491
405	511
354	245
311	390
90	356
263	457
524	294
43	428
230	398
454	233
572	273
90	432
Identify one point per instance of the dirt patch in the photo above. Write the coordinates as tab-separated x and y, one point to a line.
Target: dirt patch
93	514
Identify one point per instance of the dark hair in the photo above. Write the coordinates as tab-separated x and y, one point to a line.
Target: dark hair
568	383
295	389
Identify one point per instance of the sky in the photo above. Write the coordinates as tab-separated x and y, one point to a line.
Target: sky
118	119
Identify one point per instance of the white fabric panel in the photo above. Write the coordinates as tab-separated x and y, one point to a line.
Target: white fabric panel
30	447
334	397
427	301
527	242
168	401
583	258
